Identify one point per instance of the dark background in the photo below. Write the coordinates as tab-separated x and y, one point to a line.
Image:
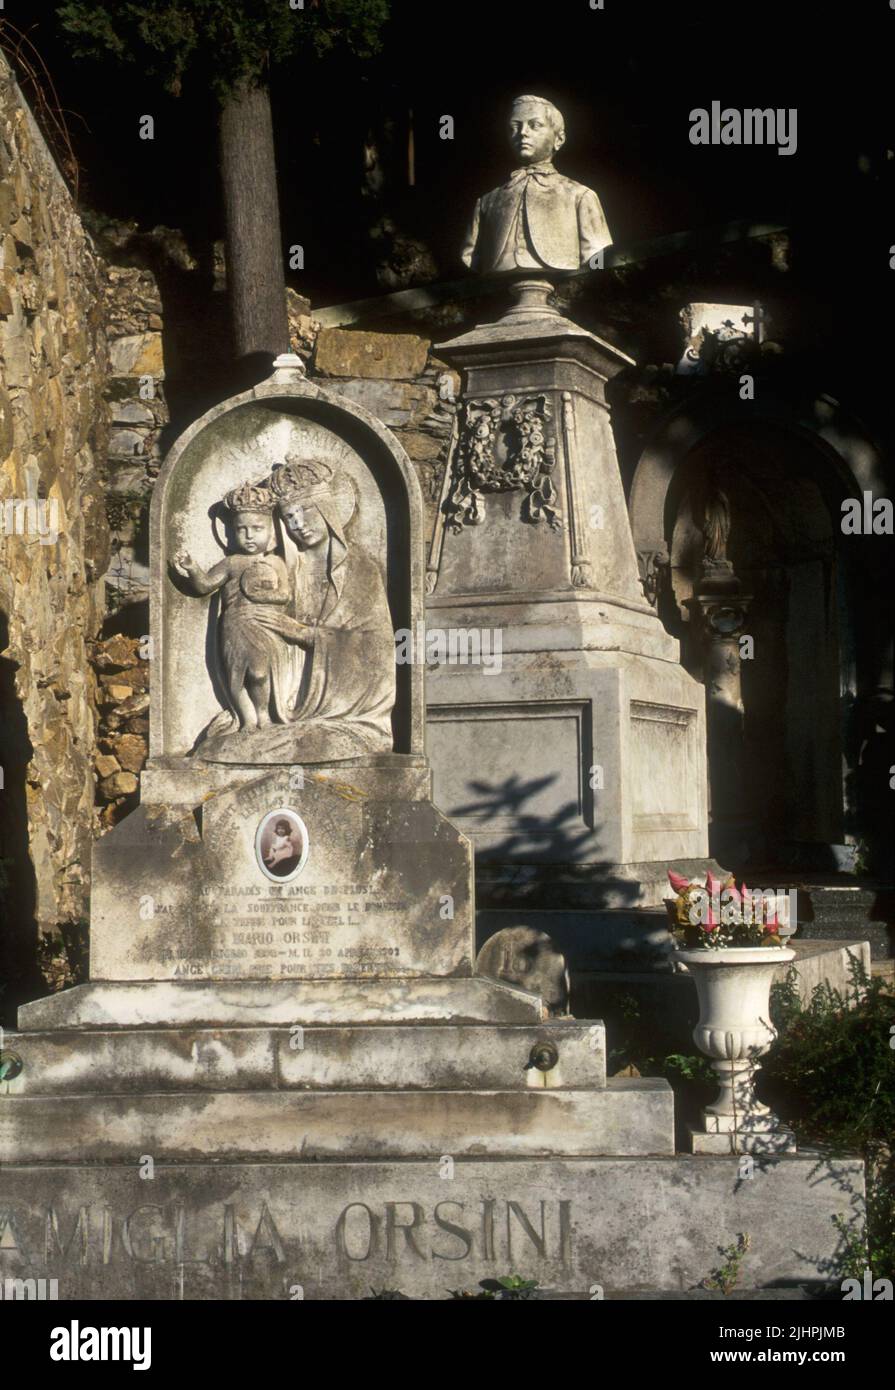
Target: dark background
626	79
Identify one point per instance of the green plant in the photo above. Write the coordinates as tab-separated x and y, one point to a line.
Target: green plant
863	857
726	1277
690	1068
509	1286
854	1257
832	1071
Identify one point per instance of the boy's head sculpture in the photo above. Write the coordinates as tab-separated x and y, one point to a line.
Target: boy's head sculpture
537	129
538	223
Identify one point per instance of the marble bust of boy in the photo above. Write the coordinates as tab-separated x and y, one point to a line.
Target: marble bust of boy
538	220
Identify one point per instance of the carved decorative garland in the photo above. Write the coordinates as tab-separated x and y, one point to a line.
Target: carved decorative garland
505	445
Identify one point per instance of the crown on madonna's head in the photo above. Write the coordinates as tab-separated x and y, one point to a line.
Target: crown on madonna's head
250	497
299	477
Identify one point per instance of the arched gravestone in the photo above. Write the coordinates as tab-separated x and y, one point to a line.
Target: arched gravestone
285	829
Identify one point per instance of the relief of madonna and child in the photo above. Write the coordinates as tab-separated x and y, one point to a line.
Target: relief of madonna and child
304	645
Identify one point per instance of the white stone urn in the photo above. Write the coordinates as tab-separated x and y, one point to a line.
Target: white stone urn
733	987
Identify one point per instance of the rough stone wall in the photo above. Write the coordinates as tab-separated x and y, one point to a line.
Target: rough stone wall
122	666
138	412
399	379
53	370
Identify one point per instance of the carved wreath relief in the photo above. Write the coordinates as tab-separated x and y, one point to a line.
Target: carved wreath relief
505	445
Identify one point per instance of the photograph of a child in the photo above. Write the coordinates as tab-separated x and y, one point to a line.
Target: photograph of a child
281	844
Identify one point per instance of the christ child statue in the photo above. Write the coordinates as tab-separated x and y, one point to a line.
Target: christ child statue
252	581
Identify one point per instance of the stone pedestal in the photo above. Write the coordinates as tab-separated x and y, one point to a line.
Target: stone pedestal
566	739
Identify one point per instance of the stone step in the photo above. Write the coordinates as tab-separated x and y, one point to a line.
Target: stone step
631	1116
107	1004
843	912
879	937
399	1057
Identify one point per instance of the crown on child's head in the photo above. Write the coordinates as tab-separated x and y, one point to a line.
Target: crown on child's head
250	497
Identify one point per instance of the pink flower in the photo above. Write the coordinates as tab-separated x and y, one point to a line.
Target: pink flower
713	885
677	881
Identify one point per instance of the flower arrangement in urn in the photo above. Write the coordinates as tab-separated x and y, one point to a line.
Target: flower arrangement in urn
717	915
722	935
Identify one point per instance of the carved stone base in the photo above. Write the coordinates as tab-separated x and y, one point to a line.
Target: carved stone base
588	759
286	1230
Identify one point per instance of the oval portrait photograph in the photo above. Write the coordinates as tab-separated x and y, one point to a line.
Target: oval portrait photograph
281	845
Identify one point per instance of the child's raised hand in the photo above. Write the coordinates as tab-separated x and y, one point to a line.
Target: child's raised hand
185	564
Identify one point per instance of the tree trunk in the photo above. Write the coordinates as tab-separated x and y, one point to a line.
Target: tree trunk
256	285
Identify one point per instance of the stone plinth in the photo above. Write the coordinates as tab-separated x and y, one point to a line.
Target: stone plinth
627	1117
581	743
746	1138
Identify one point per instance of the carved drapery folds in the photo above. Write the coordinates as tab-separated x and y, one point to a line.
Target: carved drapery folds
505	445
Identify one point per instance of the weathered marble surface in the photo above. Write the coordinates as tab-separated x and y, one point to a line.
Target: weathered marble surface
318	1231
457	1056
304	843
386	889
249	439
585	748
525	956
185	1003
627	1117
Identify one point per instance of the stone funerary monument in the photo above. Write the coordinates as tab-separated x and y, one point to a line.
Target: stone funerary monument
286	1076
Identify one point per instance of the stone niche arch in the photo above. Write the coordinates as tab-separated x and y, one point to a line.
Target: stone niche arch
786	771
238	441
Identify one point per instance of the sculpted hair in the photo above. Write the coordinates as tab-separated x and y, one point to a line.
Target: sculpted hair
554	115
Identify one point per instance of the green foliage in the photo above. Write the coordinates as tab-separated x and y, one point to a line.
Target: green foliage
863	857
726	1277
854	1256
510	1286
832	1073
834	1059
690	1068
231	42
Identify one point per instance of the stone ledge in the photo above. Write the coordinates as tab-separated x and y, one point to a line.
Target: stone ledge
404	1057
629	1117
280	1003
